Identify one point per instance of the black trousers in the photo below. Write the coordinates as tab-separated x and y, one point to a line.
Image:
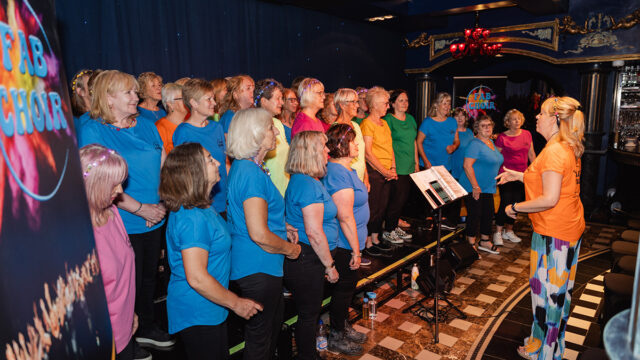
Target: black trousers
304	277
127	352
479	214
398	195
206	341
378	200
262	330
509	193
146	247
342	291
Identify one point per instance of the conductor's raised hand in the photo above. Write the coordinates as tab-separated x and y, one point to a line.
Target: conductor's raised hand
509	175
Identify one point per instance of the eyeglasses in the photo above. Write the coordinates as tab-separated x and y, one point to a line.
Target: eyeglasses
176	99
486	125
350	102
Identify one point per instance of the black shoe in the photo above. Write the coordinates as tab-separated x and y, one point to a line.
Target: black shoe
374	251
353	335
383	246
156	337
338	343
140	353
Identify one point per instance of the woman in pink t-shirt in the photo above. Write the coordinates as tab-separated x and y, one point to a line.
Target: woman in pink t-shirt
104	172
516	146
311	94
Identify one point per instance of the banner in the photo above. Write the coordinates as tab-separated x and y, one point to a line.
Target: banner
480	95
52	302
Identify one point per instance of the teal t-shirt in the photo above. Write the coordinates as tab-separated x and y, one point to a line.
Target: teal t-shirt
205	229
403	134
486	166
438	135
457	158
247	180
211	138
141	147
225	120
303	190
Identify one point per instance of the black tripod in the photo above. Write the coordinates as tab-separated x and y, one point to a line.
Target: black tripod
437	295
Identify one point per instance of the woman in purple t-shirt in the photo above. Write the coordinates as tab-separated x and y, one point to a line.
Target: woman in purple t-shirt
516	146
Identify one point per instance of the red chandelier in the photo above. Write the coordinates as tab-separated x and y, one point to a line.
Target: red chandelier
475	44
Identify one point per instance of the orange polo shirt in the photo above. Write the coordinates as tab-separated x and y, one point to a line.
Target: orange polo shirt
564	221
166	129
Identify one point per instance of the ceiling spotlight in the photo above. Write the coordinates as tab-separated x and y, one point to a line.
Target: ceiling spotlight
380	18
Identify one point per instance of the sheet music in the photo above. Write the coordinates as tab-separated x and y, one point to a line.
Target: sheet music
438	186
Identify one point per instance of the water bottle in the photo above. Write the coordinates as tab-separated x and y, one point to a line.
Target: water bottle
365	308
373	311
414	277
321	338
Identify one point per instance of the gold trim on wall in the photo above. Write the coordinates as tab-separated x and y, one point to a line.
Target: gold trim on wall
535	55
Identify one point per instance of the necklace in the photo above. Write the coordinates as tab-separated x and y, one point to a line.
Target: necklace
262	167
131	124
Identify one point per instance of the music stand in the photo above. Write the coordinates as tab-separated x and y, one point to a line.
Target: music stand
440	189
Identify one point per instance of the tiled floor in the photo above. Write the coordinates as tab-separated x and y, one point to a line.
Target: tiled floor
493	293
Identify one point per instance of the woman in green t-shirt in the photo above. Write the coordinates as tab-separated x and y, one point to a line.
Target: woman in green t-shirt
403	132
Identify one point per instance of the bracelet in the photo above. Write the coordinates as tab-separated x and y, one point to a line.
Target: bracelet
513	207
356	255
476	187
138	209
333	265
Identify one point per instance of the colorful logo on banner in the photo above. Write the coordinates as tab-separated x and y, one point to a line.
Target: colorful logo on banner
480	100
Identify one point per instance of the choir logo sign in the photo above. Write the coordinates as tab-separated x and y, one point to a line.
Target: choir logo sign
481	98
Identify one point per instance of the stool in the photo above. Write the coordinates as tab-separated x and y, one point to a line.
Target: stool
634	223
617	295
630	235
621	248
625	265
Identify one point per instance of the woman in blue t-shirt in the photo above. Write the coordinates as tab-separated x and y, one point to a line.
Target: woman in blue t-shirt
482	161
197	95
437	135
352	201
239	96
198	248
116	126
258	228
465	136
311	210
151	94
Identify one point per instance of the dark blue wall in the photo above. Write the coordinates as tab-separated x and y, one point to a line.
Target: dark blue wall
216	38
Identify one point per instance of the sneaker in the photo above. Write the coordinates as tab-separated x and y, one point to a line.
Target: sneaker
374	251
365	261
497	239
140	353
491	249
382	246
353	335
511	236
404	224
156	337
338	343
403	234
286	292
446	226
391	237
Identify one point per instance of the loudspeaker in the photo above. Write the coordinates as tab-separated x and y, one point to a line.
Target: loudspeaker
461	254
427	278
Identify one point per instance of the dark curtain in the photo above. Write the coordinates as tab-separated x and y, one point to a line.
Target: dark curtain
217	38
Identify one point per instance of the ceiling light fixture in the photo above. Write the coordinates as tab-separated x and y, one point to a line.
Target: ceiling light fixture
475	43
380	18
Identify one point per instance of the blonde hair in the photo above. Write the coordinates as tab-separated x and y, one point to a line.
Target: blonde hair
79	81
341	96
229	102
143	82
246	132
195	89
373	93
306	155
571	122
513	112
440	97
103	169
305	90
169	93
108	83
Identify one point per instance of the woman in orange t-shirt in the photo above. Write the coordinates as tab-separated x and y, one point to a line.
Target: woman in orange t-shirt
552	188
172	101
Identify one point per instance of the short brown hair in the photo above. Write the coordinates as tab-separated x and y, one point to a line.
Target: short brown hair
481	118
306	155
194	89
338	138
183	179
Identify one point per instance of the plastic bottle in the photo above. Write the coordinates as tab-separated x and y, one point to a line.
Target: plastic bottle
365	308
415	272
321	337
373	311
